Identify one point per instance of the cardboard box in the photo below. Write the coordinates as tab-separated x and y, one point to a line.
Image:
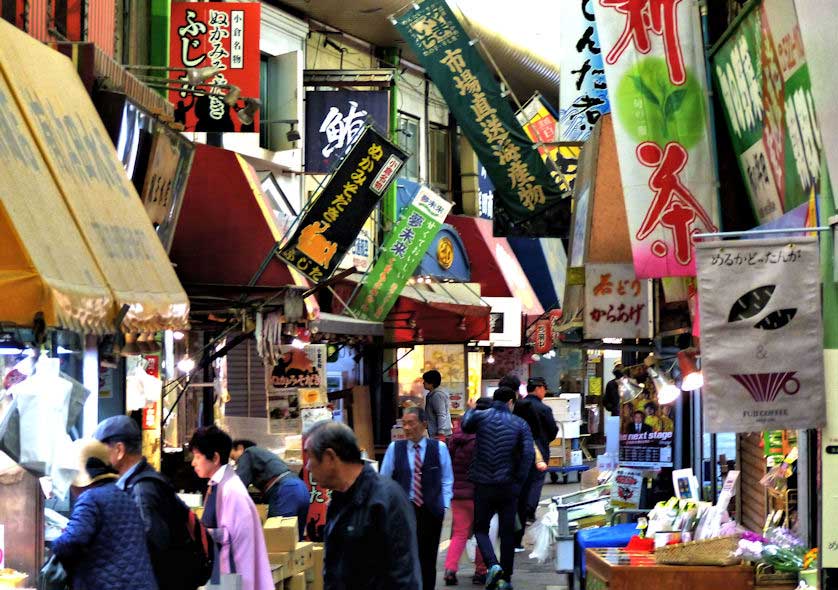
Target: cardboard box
296	582
302	557
574	408
556	461
314	576
262	509
570	429
281	534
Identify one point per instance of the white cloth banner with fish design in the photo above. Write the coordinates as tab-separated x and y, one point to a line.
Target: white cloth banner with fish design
761	335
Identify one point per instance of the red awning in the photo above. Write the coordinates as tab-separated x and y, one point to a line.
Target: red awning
494	265
226	230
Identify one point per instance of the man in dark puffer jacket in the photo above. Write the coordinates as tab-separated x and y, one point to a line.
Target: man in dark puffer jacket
500	467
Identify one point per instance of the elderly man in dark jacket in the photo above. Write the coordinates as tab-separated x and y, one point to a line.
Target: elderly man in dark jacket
370	537
499	469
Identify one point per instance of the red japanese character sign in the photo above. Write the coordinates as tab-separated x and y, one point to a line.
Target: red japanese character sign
616	302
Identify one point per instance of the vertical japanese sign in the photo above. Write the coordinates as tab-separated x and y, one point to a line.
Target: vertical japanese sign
401	254
766	91
335	119
332	223
219	35
761	335
541	126
296	381
583	97
616	302
654	65
523	185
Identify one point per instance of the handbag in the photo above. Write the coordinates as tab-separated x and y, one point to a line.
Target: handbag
53	576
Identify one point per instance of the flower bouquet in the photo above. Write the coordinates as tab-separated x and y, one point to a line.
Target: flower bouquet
779	548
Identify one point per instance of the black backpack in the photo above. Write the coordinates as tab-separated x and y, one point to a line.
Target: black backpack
192	548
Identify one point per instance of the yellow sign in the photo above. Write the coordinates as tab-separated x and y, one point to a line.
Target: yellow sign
445	253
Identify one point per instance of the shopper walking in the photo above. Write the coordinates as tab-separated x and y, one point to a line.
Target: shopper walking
502	460
461	446
370	536
164	515
229	514
422	467
437	406
283	492
104	544
539	417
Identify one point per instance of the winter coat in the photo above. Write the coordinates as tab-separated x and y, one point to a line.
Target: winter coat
504	452
461	447
371	539
104	545
539	417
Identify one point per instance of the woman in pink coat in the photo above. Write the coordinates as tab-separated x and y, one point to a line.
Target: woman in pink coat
229	514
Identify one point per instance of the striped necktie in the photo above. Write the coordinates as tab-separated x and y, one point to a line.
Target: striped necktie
417	476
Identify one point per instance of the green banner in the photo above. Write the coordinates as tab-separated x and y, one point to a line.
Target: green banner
528	201
763	80
401	254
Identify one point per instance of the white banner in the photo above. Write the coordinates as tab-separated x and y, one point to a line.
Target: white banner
616	302
654	66
761	335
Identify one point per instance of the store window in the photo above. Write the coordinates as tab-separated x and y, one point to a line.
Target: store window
440	158
407	135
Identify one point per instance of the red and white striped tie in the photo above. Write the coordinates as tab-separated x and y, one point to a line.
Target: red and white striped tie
417	476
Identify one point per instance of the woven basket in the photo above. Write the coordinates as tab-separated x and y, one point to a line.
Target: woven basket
710	552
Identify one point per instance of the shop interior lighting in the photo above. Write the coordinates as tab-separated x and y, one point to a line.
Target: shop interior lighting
628	389
178	335
691	376
186	365
668	392
491	358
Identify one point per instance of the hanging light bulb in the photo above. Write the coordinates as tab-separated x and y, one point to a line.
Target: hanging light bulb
186	364
490	359
178	335
628	389
691	376
668	392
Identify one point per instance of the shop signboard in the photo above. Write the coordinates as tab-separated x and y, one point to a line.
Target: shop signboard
524	190
654	66
401	253
617	303
761	335
626	489
583	97
541	337
765	88
297	381
541	127
505	322
330	226
647	431
221	35
335	119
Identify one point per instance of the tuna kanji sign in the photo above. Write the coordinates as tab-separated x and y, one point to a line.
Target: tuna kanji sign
616	302
222	35
654	65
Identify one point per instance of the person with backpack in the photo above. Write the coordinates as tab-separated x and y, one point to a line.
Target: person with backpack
181	560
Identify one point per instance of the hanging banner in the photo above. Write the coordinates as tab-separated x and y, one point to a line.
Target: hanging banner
335	119
296	381
616	302
583	97
761	335
541	337
332	223
219	35
523	185
763	80
402	251
654	64
541	127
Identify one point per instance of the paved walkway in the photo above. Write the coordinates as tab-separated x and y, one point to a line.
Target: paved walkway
529	574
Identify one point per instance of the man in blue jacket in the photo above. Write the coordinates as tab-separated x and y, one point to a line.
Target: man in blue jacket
501	463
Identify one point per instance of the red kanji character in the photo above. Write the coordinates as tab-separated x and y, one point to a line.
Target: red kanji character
673	205
658	16
605	285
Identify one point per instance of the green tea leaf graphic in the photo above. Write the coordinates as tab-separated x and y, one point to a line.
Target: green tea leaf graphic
645	90
674	102
751	303
777	319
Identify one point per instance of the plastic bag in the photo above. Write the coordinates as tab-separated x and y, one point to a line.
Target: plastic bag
543	534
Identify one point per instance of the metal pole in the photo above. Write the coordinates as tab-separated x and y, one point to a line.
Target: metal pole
760	232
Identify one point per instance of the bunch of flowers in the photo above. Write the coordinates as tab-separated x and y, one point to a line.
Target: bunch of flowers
779	548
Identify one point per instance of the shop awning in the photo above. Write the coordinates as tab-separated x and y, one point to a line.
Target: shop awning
111	221
494	265
330	323
545	263
229	230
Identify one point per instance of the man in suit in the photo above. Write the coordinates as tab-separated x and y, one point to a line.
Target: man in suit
422	467
639	426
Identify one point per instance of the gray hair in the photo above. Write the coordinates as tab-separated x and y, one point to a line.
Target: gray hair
418	412
327	434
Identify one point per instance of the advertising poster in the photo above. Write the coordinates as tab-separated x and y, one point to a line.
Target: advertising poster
523	185
628	484
583	96
654	66
647	431
402	251
318	504
295	382
617	303
335	119
330	226
219	35
761	335
763	80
